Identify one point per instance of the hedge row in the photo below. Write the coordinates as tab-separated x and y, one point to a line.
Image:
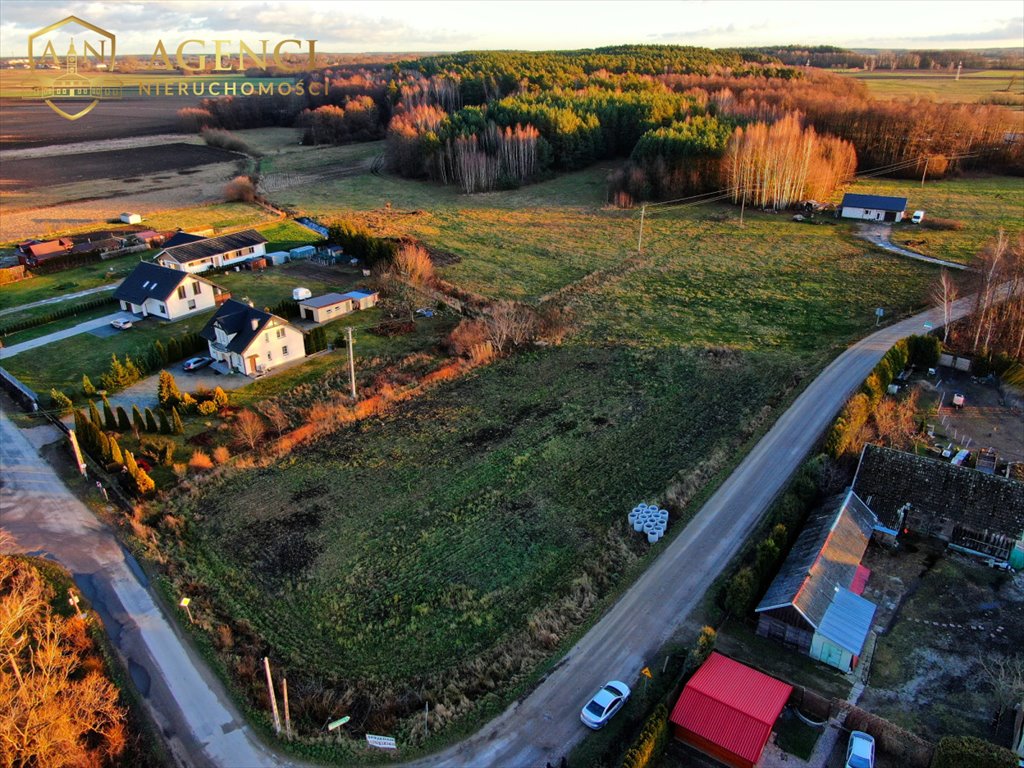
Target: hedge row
971	752
649	745
57	314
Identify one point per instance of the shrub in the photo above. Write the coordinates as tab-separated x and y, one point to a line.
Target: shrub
240	189
220	398
167	392
120	375
60	402
924	351
971	752
207	408
469	333
200	460
412	265
221	454
702	648
87	388
739	592
649	745
215	137
159	449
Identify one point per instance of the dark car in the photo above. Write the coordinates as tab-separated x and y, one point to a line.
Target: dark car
195	363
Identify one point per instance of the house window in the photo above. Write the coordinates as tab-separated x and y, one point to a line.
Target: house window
191	303
266	337
161	309
197	288
270	355
181	291
284	351
280	333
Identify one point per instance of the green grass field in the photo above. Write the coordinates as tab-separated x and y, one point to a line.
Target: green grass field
983	204
43	287
973	85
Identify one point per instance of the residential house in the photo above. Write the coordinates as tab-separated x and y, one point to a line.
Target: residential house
213	252
873	207
37	252
323	309
251	341
181	238
168	293
970	510
727	710
814	602
101	245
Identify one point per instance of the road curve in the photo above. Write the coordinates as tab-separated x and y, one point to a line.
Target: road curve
545	725
191	707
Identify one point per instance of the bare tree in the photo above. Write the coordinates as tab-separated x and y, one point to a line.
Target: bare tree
989	262
413	265
943	295
1005	674
511	323
248	429
275	414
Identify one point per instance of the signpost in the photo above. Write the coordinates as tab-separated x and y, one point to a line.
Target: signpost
879	314
184	604
381	742
338	723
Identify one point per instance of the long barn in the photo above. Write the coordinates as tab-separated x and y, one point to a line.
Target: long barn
873	207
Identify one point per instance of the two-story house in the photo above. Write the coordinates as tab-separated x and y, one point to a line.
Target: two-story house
251	341
168	293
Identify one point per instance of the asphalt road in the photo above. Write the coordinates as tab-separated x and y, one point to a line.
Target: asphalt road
189	704
42	341
545	725
62	297
202	725
878	234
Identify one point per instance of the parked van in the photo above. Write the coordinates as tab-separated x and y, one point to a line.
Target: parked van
918	217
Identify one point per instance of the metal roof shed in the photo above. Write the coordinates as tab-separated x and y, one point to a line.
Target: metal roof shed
727	711
844	629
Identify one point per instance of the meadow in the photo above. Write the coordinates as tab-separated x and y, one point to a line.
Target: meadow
973	85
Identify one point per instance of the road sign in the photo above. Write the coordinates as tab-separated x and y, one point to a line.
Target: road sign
879	312
338	723
646	672
928	326
381	742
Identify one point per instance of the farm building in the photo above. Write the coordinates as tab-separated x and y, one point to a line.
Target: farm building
970	510
362	299
213	252
873	207
727	710
148	236
248	340
302	252
131	218
168	293
814	603
103	245
277	258
323	309
36	252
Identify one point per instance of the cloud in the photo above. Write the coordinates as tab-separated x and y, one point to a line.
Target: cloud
1011	29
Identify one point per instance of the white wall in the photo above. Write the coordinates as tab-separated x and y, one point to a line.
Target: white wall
217	260
269	346
174	308
867	214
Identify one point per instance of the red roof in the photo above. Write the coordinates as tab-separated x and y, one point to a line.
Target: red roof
860	580
731	705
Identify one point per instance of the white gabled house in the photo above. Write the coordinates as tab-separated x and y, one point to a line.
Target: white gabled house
214	252
873	207
251	341
167	293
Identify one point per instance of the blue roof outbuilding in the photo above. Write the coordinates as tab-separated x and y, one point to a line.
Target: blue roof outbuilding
848	621
875	202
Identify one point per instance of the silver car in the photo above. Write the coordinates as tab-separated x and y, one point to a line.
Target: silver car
861	751
606	702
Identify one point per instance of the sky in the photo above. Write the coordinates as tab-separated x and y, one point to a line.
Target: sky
424	25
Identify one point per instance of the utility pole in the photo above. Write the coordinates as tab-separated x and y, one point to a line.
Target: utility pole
351	362
273	696
925	170
287	711
640	240
959	66
743	204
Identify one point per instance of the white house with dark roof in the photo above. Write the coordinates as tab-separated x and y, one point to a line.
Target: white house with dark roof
873	207
251	341
214	252
168	293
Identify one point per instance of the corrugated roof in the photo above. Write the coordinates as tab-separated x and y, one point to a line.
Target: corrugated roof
360	294
826	555
182	238
211	246
327	300
731	705
877	202
848	621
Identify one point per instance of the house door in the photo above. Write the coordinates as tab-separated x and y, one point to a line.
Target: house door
252	363
890	215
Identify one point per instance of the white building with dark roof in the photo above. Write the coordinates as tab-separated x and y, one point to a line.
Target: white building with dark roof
251	341
214	252
168	293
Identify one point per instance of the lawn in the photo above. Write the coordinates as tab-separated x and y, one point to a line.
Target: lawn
217	217
51	286
61	364
272	285
972	86
53	326
983	204
286	235
448	524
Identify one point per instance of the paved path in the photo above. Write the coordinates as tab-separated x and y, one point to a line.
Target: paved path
878	234
545	725
42	341
62	297
192	710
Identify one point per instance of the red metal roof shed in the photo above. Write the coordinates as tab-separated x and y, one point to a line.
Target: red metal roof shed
727	711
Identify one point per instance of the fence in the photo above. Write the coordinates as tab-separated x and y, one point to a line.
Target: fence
13	274
22	395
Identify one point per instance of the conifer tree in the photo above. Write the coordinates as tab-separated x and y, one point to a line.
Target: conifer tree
177	427
87	388
165	427
94	415
151	421
123	423
167	392
137	420
116	457
109	420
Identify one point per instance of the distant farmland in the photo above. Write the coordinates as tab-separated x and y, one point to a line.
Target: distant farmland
986	86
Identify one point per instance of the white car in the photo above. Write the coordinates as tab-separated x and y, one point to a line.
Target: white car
121	325
606	702
860	753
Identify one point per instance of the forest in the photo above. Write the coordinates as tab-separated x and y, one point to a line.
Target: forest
686	120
